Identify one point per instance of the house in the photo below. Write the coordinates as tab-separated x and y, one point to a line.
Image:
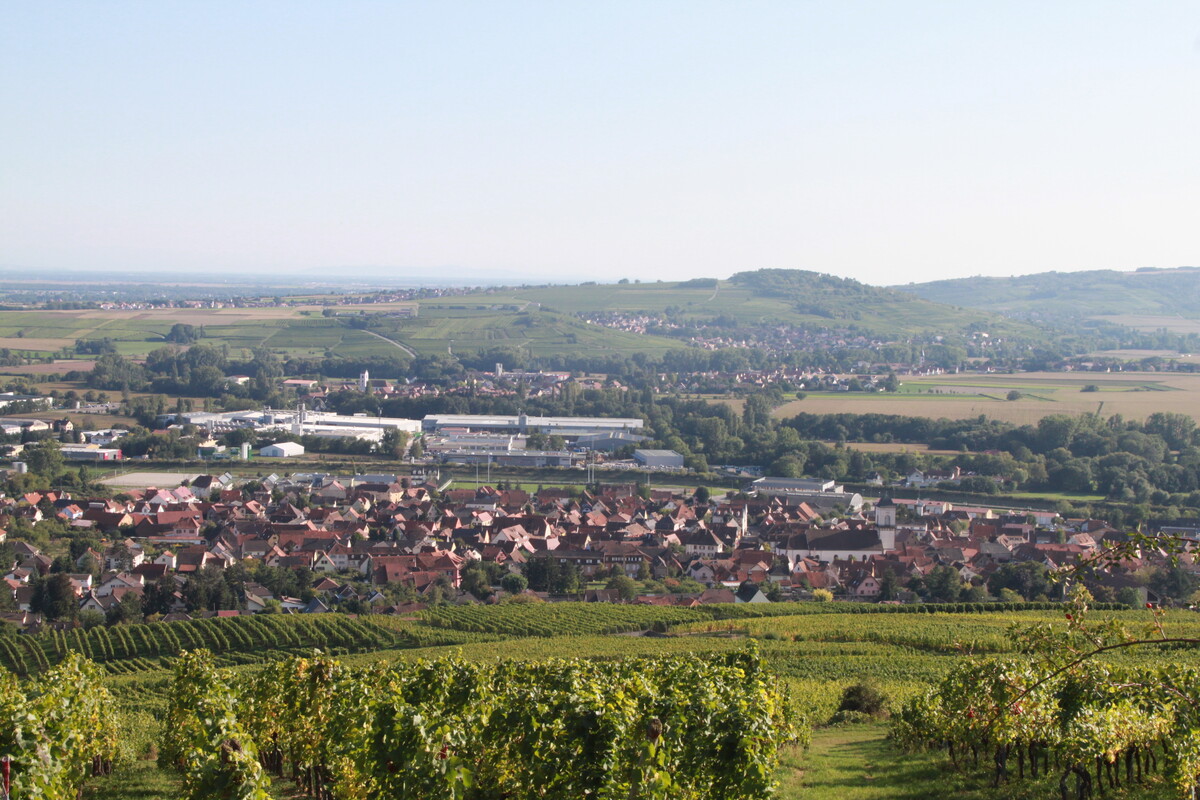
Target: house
125	555
865	587
126	581
719	594
204	486
701	543
749	593
919	479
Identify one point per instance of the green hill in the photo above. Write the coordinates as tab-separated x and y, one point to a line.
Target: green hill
774	309
799	298
1097	293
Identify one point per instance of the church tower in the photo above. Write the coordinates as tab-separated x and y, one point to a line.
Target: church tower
885	522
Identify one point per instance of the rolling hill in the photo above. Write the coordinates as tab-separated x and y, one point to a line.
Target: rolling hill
1146	293
800	298
782	309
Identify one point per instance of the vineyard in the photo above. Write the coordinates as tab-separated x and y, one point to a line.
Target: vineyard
659	728
249	639
241	639
558	619
59	731
942	632
1059	711
582	619
808	653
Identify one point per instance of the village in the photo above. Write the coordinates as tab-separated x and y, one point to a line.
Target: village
314	543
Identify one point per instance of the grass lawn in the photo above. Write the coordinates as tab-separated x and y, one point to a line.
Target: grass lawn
1076	497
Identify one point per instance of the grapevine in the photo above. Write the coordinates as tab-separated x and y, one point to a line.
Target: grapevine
652	729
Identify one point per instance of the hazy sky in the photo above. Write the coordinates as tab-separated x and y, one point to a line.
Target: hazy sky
888	141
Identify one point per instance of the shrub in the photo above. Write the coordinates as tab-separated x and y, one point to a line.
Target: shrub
865	698
520	599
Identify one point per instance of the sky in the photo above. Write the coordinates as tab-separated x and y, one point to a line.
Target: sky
567	141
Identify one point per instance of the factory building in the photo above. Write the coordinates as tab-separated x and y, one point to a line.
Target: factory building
523	424
658	459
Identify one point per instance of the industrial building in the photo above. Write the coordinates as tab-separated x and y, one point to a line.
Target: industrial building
609	441
474	442
517	458
302	422
658	459
523	424
789	485
820	495
89	452
282	450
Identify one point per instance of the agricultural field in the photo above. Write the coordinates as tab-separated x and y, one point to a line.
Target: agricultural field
58	367
482	322
81	420
812	645
814	651
539	320
136	648
1137	355
542	321
1149	322
292	330
454	325
1135	395
558	619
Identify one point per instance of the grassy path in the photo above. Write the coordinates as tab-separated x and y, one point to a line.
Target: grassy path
855	763
858	763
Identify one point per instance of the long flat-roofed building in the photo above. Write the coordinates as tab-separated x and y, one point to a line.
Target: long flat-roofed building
517	458
567	427
821	495
658	459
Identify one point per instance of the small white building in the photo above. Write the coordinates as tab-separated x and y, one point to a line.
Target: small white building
282	450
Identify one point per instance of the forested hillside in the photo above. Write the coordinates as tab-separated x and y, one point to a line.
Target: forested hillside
1167	292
